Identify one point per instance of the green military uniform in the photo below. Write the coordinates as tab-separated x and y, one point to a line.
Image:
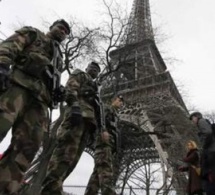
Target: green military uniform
102	176
72	138
24	105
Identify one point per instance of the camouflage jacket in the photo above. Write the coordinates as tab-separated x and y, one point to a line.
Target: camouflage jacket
28	51
81	88
111	119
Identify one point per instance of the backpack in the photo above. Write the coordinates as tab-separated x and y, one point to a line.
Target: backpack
212	126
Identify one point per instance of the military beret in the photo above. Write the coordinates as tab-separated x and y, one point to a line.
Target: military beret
120	97
63	22
196	114
93	63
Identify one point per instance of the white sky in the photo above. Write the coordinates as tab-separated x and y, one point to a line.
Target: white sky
188	24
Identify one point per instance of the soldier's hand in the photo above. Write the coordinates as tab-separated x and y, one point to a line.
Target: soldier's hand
59	94
105	136
180	168
4	77
76	115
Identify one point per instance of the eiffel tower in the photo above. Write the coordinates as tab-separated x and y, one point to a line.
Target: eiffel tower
154	122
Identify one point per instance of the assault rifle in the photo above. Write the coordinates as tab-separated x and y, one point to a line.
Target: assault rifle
54	74
94	98
100	110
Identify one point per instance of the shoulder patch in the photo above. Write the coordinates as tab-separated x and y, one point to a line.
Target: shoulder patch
26	29
29	33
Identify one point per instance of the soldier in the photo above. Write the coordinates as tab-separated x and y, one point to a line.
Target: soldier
24	104
106	143
78	125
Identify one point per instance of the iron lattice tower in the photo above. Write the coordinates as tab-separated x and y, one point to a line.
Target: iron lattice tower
154	122
140	25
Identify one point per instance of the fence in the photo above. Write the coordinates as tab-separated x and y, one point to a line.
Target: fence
79	190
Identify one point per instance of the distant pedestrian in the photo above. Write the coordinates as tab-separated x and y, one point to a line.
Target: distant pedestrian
192	166
207	140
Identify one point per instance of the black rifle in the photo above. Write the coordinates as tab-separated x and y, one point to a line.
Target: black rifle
100	113
54	74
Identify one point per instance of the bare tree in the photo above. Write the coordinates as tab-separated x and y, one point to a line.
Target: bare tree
147	179
111	33
80	45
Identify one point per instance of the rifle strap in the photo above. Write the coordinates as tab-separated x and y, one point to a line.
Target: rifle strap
50	121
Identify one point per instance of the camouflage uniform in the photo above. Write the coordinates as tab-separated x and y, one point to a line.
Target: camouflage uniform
24	105
102	176
72	138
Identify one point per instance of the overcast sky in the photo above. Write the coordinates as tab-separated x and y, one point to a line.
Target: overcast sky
188	25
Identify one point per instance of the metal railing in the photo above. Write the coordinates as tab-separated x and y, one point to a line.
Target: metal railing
79	190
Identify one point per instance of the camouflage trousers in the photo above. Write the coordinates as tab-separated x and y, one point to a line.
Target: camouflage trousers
72	141
102	176
28	119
